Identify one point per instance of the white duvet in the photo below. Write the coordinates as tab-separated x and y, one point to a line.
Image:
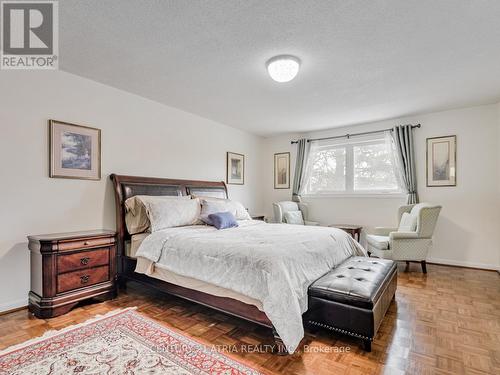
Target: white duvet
272	263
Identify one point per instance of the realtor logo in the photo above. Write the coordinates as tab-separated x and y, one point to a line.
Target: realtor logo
29	35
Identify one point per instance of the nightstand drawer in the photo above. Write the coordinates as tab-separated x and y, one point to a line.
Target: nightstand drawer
83	259
75	245
80	279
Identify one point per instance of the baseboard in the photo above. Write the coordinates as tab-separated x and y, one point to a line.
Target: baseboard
448	262
13	305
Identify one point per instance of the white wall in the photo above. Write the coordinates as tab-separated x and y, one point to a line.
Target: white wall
469	226
139	137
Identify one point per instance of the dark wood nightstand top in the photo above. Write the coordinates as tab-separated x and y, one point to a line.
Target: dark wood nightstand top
259	217
346	226
96	233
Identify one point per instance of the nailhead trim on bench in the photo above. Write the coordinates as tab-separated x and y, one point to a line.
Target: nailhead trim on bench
322	325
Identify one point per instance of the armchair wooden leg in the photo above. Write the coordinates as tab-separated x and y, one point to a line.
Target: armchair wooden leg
424	266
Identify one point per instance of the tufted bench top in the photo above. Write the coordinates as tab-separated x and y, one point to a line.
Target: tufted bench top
359	281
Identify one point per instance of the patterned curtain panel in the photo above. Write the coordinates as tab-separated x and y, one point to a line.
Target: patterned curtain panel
405	150
298	179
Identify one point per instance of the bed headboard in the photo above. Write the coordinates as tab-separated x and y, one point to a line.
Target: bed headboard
128	186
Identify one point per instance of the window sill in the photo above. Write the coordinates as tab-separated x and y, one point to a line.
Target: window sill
357	195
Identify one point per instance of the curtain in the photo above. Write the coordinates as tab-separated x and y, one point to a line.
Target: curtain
405	151
298	178
393	156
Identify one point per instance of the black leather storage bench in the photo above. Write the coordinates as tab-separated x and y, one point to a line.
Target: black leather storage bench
353	298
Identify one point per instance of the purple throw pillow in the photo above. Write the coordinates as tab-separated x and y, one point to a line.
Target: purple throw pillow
222	220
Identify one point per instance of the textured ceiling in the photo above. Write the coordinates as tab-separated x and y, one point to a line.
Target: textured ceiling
361	60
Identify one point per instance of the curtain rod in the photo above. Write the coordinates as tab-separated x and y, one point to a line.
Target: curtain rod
353	135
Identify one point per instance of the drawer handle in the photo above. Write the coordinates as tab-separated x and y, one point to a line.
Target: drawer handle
84	261
86	243
84	279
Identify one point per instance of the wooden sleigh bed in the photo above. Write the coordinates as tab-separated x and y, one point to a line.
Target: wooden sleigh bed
129	186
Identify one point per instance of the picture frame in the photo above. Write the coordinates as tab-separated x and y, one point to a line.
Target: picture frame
282	170
74	151
235	168
441	160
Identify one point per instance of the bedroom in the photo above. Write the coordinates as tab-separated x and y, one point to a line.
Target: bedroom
173	87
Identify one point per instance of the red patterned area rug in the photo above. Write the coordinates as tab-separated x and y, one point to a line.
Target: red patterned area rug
120	342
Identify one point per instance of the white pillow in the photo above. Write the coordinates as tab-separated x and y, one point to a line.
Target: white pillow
169	213
136	216
293	217
211	206
408	223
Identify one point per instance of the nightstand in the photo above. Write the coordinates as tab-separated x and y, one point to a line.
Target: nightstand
259	217
67	268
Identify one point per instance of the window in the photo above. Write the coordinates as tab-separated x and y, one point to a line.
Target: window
354	166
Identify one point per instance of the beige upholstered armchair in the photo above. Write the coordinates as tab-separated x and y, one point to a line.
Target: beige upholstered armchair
292	213
412	240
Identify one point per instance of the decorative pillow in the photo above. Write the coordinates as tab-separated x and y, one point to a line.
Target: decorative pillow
171	213
408	223
223	220
209	206
136	217
293	217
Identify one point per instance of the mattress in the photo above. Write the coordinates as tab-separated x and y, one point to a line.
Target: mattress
134	243
155	270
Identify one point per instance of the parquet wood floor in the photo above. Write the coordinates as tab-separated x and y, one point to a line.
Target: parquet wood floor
445	322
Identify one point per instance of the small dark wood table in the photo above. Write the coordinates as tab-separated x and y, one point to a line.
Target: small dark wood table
353	230
69	267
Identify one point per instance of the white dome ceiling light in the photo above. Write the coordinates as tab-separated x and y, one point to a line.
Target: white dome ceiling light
283	68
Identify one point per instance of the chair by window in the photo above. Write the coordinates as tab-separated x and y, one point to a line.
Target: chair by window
292	213
412	240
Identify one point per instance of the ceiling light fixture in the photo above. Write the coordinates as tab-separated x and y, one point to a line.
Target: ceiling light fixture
283	68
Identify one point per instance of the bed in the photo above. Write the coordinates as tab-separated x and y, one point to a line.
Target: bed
277	262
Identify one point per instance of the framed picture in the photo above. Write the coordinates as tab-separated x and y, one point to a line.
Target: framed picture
282	170
235	168
75	151
441	161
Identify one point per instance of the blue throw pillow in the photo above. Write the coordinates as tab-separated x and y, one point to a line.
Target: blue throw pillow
222	220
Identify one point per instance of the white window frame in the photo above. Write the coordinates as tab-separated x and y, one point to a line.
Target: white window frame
349	191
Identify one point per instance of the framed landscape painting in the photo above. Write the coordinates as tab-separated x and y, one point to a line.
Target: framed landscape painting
235	168
282	170
441	161
75	151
